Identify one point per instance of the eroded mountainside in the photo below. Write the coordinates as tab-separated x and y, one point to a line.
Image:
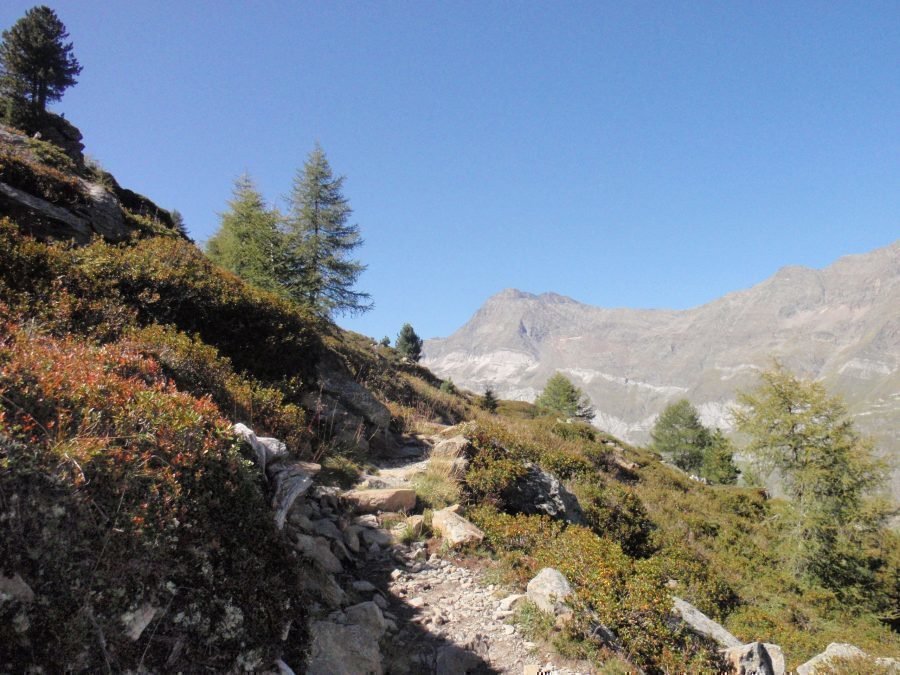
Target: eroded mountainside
841	324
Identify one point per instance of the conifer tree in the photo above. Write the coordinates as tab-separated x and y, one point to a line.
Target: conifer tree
36	63
489	401
563	397
679	435
718	460
320	271
408	343
827	468
248	241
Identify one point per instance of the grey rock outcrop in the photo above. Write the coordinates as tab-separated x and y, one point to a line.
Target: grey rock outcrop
836	651
338	649
701	624
548	590
353	415
755	658
540	492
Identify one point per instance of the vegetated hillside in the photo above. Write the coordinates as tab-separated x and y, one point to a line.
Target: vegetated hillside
137	533
840	324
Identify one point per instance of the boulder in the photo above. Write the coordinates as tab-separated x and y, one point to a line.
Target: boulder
388	499
455	451
540	492
456	530
701	624
838	650
548	590
318	549
755	658
327	528
322	586
351	537
367	615
337	649
355	415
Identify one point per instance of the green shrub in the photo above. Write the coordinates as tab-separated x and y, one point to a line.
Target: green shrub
618	513
40	180
51	155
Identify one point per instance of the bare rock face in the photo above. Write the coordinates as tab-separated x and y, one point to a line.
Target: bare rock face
58	130
356	417
548	590
456	530
840	324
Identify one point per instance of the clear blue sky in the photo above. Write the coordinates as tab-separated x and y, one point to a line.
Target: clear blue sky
640	154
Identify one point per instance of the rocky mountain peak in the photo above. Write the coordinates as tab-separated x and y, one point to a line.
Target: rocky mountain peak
840	324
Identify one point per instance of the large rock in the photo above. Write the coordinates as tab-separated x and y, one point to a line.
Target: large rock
456	530
321	585
548	590
367	615
701	624
540	492
338	649
356	418
452	453
388	499
318	549
756	658
838	650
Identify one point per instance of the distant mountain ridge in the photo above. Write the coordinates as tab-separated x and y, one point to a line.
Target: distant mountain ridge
840	324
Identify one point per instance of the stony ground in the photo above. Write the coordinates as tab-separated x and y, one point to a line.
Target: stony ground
444	616
386	606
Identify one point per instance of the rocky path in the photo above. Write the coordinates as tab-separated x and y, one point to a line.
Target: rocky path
443	617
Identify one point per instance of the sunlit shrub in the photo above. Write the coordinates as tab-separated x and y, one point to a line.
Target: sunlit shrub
118	492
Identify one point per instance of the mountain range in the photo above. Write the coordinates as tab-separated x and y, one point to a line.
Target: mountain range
840	324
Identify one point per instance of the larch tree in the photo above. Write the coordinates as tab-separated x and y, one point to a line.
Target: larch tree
563	397
248	241
319	241
828	470
36	62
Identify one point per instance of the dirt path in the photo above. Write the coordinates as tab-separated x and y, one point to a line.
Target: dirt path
443	616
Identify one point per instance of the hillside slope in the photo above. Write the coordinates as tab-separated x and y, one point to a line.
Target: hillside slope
841	324
142	530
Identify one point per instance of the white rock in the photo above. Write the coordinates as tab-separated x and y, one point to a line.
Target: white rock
841	650
548	590
455	529
702	624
